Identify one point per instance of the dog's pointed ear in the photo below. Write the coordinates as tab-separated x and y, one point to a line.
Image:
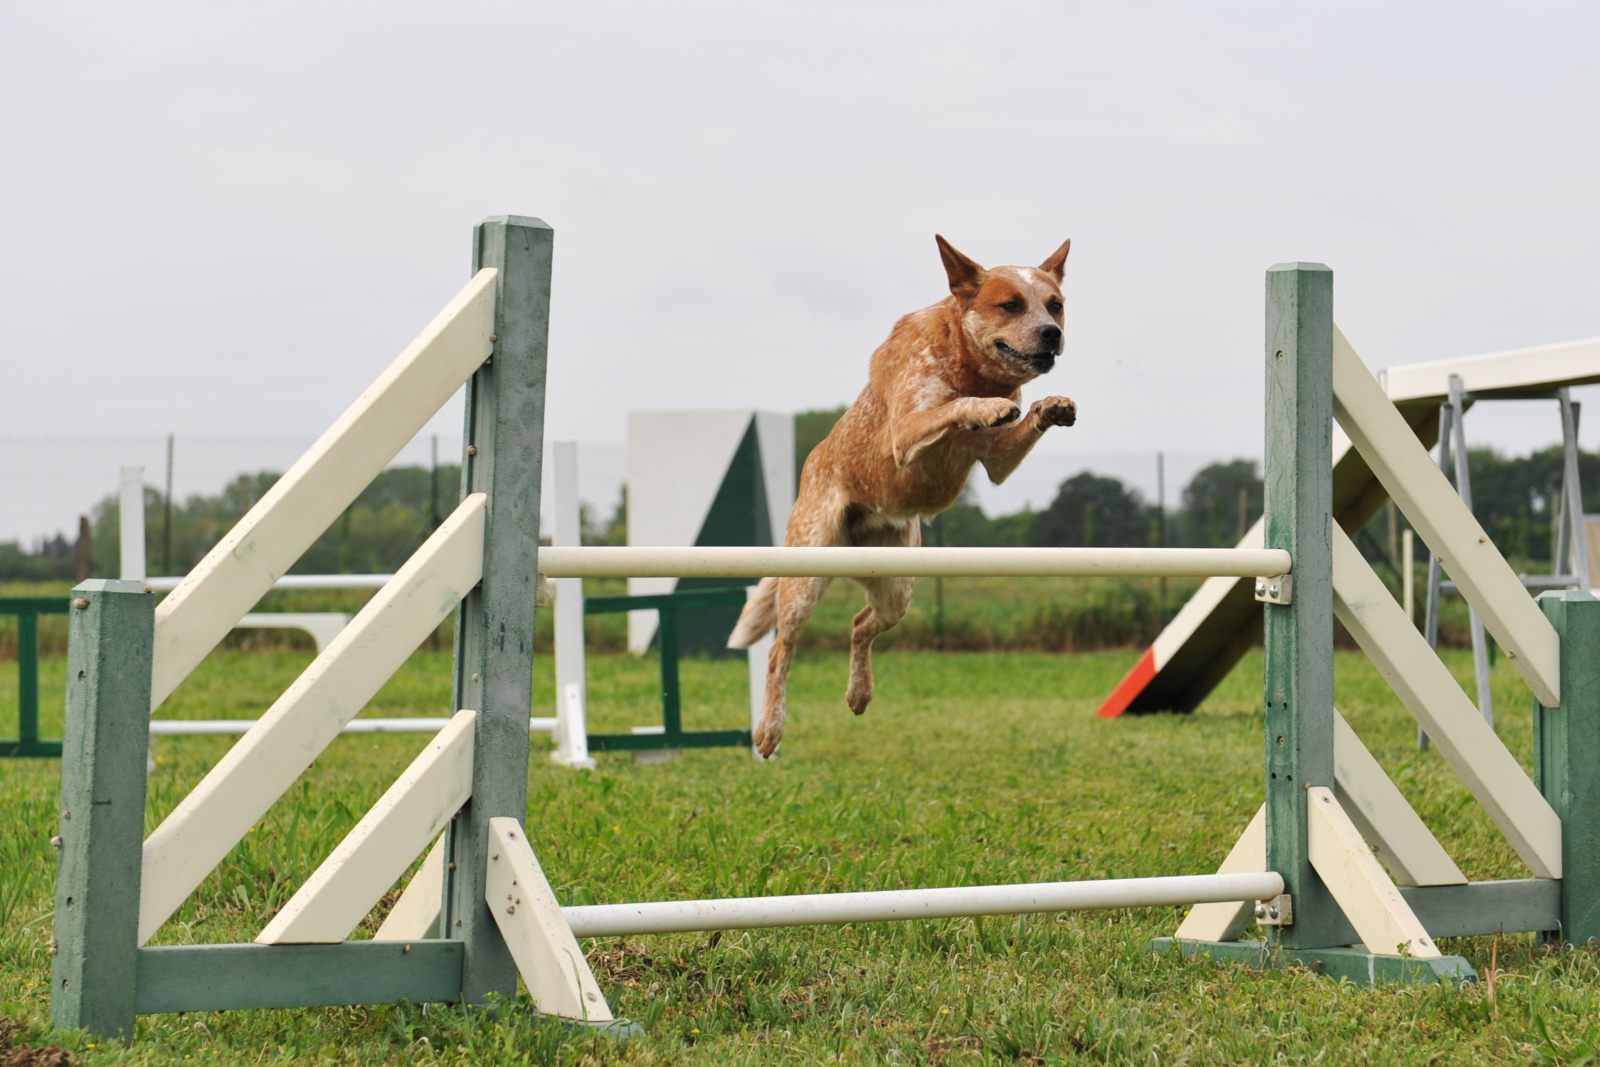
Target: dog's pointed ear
965	274
1056	264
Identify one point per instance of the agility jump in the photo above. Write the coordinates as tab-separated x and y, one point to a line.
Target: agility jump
480	911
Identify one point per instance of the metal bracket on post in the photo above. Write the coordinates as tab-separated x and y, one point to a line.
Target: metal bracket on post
1279	911
1279	590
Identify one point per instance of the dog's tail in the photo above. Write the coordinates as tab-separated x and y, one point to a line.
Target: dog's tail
759	616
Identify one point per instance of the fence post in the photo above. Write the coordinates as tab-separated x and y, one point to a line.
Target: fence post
96	938
494	630
1567	758
1299	635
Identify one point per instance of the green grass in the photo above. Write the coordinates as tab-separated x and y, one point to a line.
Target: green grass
969	768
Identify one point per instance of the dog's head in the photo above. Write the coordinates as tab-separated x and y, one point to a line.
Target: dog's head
1012	315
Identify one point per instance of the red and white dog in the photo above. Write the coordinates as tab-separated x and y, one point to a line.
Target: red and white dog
943	393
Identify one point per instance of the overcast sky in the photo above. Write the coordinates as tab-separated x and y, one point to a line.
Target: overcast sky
225	219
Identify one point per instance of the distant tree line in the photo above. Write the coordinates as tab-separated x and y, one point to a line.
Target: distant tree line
1516	499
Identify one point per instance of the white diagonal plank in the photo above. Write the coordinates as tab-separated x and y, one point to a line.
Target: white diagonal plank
379	848
1423	494
322	483
535	930
1427	689
1382	919
1384	817
1226	920
208	822
415	915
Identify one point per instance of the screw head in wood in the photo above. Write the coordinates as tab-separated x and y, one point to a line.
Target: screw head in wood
81	603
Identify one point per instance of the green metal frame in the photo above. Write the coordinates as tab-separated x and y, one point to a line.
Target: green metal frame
673	735
26	610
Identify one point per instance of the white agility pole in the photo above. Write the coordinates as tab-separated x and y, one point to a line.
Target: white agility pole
131	523
572	728
725	562
404	725
749	913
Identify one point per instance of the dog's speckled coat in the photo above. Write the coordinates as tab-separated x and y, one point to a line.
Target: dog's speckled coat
943	393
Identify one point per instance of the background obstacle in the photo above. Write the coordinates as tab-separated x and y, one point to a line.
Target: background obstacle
1220	622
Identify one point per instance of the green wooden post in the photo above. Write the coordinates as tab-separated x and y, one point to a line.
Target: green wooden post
494	632
27	677
1299	635
96	943
1567	759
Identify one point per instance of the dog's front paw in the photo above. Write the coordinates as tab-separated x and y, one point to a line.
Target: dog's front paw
987	412
1054	411
766	735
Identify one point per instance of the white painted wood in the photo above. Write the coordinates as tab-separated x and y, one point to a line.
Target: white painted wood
1384	817
321	484
379	848
723	562
415	916
130	524
1523	369
300	724
572	728
1384	921
297	581
1428	690
323	626
1226	920
535	929
1435	511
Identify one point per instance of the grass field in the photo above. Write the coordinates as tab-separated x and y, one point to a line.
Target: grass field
970	768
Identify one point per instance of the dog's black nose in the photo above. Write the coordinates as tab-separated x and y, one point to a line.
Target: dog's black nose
1050	336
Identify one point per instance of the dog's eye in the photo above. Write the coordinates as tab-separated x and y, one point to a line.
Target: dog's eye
1013	305
1054	306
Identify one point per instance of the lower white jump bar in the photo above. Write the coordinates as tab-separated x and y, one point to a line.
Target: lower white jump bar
168	727
748	913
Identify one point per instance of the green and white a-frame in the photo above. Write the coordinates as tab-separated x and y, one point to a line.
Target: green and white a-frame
467	789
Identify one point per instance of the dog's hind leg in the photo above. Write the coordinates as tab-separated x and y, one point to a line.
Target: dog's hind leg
887	601
797	597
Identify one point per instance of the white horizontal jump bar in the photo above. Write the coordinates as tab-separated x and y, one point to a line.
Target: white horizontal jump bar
176	727
722	562
747	913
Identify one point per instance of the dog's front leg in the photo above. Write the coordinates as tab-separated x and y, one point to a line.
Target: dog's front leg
911	432
1008	448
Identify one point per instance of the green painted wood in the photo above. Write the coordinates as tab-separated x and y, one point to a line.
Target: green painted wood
228	977
1345	964
107	741
26	610
494	641
19	750
671	691
1508	907
655	742
28	678
674	601
1299	635
1567	759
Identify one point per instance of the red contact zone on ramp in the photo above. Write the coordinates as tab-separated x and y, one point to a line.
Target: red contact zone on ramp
1130	686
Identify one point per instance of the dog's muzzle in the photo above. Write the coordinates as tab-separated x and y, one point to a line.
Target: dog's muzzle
1039	362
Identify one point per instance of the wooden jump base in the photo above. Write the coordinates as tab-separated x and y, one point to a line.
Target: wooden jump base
479	912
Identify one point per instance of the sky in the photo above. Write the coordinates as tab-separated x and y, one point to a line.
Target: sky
221	221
